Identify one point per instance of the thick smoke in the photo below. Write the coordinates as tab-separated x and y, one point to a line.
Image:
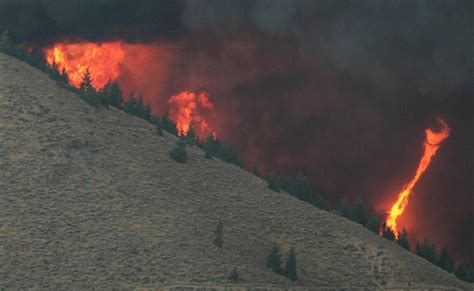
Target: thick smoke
338	90
43	21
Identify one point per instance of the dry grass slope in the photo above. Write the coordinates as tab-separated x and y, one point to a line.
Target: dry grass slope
90	198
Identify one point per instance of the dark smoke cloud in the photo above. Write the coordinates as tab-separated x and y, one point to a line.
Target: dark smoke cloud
43	21
338	90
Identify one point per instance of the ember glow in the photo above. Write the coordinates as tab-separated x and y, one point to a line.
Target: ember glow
431	146
102	59
191	109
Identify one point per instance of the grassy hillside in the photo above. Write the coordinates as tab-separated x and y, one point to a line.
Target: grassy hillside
90	198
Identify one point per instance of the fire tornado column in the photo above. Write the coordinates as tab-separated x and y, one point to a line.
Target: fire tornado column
431	146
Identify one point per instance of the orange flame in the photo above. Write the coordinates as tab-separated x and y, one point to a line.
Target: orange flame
102	59
431	146
190	109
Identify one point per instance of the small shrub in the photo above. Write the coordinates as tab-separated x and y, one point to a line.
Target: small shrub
273	182
233	276
218	235
274	259
178	153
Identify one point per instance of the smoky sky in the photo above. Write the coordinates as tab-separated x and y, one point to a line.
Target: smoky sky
340	91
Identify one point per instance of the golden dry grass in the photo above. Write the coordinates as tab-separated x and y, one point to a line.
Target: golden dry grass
89	198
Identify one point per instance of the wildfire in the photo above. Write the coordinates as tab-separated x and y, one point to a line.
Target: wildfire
190	109
431	146
102	59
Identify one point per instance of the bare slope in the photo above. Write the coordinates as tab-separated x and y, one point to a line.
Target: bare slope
89	197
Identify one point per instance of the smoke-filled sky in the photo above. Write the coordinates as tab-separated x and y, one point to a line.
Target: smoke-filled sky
338	90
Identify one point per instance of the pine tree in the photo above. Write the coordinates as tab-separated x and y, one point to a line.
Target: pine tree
211	147
290	268
464	272
191	137
273	182
345	209
233	276
357	212
158	126
373	224
111	95
86	84
168	125
387	232
178	153
300	188
131	104
274	259
427	251
218	232
402	240
445	261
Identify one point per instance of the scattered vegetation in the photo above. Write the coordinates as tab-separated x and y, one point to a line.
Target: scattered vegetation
178	153
218	232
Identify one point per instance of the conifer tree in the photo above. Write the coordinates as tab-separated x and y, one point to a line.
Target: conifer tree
290	268
387	232
426	250
86	84
168	125
445	261
402	240
178	153
211	147
373	224
274	259
273	182
218	232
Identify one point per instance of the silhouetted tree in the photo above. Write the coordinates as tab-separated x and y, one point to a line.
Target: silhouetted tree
86	84
111	95
402	239
345	208
290	268
357	212
464	272
373	224
427	250
273	182
191	137
233	276
211	147
168	125
178	153
227	154
300	188
158	127
387	232
274	259
218	232
445	261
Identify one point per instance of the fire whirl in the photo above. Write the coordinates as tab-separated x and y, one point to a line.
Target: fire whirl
431	146
101	59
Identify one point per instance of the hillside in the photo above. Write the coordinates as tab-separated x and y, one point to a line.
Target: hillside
90	198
